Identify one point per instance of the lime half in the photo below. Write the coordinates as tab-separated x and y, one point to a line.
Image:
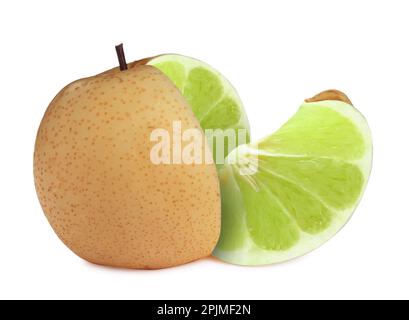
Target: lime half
213	99
293	190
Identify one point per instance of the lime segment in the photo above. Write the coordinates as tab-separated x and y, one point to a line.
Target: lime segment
334	182
224	115
175	71
318	130
202	90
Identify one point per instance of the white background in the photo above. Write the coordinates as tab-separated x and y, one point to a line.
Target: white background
276	53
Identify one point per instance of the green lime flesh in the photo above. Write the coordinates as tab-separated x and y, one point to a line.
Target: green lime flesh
213	99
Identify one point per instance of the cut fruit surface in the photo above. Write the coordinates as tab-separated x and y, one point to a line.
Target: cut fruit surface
304	183
213	99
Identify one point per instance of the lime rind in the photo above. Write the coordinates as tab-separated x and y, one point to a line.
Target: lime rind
250	251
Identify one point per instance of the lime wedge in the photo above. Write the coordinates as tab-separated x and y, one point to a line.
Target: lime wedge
213	99
292	191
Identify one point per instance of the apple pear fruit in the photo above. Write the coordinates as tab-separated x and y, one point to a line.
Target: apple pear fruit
98	187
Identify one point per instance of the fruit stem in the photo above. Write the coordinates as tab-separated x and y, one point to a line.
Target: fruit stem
121	57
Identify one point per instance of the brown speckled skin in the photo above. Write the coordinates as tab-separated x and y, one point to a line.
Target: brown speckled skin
98	188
